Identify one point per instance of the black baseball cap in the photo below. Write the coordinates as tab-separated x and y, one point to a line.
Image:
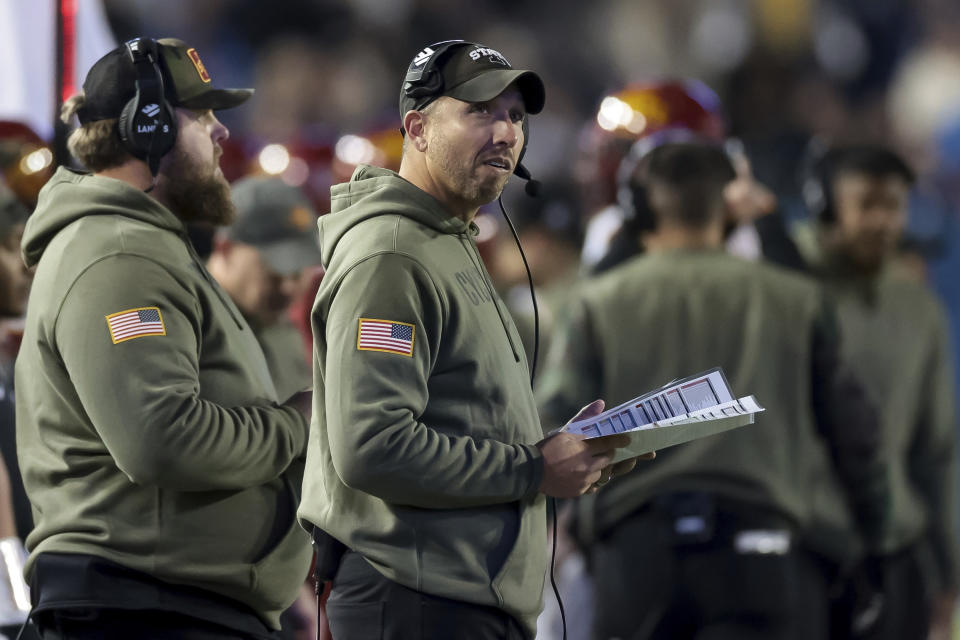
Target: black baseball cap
112	82
278	220
470	72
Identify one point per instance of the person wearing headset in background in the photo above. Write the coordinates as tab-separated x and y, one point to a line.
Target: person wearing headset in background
896	340
714	539
426	456
162	468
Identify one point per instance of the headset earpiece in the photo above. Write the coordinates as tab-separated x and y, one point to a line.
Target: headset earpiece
147	124
424	80
430	84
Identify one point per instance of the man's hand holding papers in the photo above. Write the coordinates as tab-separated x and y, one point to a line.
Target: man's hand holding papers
574	465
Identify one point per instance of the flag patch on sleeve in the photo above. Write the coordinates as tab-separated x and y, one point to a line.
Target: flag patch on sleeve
135	323
385	335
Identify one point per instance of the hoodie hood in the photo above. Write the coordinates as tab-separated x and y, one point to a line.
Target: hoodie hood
373	192
70	195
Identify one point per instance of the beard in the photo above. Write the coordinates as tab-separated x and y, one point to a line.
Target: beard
195	192
462	177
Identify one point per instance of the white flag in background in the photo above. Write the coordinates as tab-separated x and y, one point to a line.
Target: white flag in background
28	47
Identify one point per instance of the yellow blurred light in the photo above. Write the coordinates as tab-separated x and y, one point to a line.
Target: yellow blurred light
354	150
274	159
36	161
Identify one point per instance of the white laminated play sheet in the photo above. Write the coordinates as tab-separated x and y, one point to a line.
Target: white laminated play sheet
680	411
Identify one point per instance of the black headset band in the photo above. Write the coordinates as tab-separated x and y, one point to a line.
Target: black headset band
143	53
416	73
147	124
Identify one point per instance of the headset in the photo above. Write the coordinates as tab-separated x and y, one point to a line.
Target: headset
423	84
631	192
148	124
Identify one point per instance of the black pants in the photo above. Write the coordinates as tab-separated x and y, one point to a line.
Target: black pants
364	605
119	624
906	610
679	575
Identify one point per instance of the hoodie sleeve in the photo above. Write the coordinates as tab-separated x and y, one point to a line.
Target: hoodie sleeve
933	457
376	396
142	394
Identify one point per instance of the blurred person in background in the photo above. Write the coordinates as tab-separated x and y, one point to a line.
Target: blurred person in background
654	111
26	162
160	462
722	537
16	519
15	280
426	455
896	340
550	233
630	124
264	261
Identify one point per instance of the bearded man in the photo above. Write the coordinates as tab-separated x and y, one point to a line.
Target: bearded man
162	468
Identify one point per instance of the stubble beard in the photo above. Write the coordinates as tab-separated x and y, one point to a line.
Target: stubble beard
196	193
461	174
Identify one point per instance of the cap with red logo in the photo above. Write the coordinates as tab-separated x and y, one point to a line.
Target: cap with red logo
112	82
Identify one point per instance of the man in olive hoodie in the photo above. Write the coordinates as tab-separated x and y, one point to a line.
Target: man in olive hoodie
426	456
896	339
162	469
714	539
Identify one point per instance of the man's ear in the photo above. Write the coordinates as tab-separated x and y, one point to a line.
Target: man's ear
414	123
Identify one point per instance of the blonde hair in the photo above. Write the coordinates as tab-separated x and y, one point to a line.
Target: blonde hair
96	144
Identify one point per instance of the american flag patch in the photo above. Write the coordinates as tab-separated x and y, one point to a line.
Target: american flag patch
135	323
385	335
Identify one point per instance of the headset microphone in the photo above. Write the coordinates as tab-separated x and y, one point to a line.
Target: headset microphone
533	187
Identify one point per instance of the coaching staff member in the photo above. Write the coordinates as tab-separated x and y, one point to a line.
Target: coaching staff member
161	467
423	456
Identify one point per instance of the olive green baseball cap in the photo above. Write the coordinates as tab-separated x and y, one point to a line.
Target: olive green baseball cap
112	82
278	220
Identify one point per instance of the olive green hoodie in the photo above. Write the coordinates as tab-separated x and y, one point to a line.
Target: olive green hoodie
423	463
664	315
166	453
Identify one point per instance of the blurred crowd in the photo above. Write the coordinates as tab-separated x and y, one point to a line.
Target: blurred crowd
774	81
784	70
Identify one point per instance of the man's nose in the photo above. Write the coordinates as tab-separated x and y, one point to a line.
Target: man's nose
220	131
506	132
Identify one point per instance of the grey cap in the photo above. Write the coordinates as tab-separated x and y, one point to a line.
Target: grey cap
277	219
